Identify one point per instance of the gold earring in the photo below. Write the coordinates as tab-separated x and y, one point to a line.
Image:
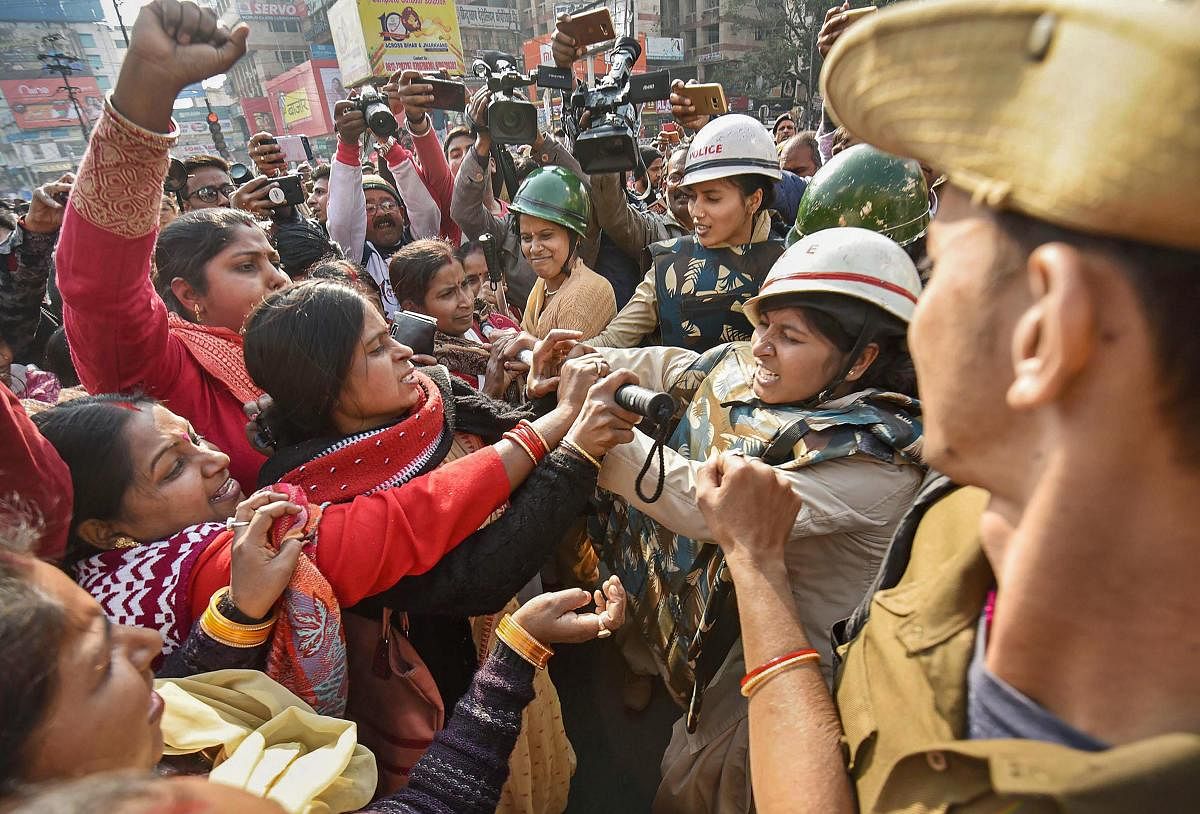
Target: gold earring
198	313
125	542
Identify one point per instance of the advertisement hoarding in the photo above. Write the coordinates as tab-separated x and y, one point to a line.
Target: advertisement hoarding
331	83
377	38
665	49
298	100
257	110
37	104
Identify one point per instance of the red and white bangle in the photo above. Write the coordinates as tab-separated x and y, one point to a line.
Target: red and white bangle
760	675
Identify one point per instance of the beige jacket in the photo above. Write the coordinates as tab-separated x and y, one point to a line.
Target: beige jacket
851	508
851	505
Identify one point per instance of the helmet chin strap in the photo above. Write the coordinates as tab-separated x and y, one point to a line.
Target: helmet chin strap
865	335
571	256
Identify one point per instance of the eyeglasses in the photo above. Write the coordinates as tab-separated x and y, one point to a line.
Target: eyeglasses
386	206
210	194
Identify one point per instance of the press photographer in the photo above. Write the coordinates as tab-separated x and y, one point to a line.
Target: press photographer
367	216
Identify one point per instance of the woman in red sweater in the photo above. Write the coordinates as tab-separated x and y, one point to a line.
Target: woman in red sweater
213	266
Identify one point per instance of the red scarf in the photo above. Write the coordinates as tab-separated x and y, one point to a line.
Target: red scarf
219	352
377	459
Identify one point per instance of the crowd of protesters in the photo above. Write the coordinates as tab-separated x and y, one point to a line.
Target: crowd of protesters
296	499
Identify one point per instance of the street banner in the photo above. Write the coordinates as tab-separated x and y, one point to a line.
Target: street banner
379	37
38	104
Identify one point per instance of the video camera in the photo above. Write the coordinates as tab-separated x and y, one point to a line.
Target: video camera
609	141
511	119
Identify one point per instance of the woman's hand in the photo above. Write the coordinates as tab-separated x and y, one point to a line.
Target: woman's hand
683	110
750	507
548	356
497	378
257	432
48	206
504	343
265	153
258	573
601	424
551	618
576	378
173	44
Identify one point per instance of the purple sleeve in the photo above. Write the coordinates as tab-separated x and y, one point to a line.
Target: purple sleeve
467	765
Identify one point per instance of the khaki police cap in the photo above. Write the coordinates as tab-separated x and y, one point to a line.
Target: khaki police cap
1081	113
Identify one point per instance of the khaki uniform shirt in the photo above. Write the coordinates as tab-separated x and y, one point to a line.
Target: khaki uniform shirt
902	692
850	509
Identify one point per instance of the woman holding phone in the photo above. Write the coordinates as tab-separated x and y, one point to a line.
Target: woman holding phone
429	279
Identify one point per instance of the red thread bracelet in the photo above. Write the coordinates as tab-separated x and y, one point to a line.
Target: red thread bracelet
762	668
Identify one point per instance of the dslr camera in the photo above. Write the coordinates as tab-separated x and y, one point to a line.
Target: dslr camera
609	142
376	111
512	119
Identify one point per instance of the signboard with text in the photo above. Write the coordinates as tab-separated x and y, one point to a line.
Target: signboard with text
297	100
37	104
378	37
498	19
263	9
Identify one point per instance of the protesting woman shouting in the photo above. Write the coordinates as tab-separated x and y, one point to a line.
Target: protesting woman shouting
181	343
352	415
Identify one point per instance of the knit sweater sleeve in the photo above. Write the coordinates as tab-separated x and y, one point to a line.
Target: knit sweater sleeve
467	765
488	568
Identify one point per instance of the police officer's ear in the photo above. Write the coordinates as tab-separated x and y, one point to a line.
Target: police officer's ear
1054	340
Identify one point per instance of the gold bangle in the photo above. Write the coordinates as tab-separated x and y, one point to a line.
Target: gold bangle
516	637
580	451
516	439
232	633
755	684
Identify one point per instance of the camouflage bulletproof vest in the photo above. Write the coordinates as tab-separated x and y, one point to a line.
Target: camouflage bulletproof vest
670	578
700	291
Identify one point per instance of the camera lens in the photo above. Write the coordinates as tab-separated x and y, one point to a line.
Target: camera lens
381	121
239	173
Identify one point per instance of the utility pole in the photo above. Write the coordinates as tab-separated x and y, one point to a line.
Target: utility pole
60	63
124	33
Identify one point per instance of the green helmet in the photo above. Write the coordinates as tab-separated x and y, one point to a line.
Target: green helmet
555	194
865	187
